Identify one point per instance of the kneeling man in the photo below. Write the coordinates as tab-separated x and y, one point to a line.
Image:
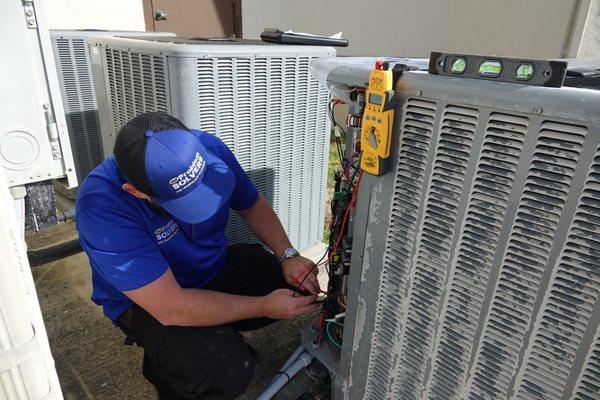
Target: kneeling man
152	221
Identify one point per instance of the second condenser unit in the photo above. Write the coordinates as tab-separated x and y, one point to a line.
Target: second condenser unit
258	98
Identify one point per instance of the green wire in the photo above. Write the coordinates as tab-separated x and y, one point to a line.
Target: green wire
330	336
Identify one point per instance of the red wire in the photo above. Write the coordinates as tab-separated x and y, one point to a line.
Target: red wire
297	282
321	326
337	243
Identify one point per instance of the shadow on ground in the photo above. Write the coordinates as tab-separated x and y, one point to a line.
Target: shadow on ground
93	363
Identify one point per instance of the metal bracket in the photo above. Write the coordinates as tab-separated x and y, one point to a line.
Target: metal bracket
29	11
52	129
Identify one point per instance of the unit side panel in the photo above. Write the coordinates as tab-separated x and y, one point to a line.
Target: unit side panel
73	64
413	163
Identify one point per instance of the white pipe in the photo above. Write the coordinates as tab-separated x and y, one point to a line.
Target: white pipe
302	361
292	358
289	362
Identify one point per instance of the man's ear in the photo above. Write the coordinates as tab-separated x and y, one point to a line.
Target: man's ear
132	190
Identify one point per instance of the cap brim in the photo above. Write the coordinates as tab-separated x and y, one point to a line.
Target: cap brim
205	199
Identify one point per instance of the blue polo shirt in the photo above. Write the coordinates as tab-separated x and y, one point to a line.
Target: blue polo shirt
130	245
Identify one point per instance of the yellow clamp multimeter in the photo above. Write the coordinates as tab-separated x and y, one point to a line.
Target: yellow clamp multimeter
377	121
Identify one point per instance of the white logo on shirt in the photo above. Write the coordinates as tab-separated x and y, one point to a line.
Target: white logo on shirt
166	232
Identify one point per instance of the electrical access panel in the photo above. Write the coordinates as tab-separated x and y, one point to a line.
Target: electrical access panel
34	142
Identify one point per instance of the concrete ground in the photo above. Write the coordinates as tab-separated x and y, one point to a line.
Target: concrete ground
91	360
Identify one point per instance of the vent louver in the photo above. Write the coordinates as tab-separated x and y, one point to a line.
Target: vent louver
542	202
137	84
588	386
569	304
434	246
79	102
73	61
250	118
265	107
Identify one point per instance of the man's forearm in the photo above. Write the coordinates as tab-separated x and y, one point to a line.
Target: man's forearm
265	224
198	307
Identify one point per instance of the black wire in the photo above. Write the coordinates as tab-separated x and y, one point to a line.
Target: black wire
338	144
355	170
309	272
339	150
331	107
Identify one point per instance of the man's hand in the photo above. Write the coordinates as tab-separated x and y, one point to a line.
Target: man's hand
281	304
295	270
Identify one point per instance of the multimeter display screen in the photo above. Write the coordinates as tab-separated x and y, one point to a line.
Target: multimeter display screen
375	99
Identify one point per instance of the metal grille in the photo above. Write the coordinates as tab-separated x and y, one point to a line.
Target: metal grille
74	67
489	284
588	386
136	84
79	101
434	245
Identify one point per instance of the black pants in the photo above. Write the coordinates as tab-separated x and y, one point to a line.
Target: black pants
207	362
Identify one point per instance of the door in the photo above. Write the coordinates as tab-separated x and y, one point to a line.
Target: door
194	17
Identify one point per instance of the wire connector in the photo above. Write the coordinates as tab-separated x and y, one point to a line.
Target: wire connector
337	131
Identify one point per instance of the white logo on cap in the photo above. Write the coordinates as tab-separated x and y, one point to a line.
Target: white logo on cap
183	181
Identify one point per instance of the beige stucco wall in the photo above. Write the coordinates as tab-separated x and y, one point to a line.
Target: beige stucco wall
94	14
531	28
379	27
260	14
